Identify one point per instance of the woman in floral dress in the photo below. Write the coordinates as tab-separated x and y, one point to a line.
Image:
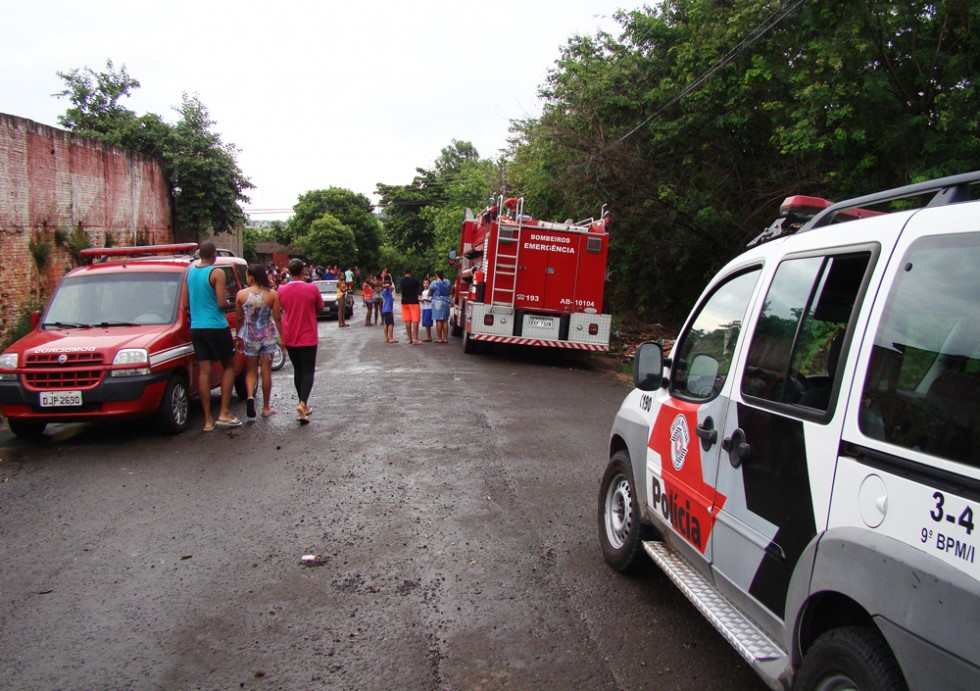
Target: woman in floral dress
260	323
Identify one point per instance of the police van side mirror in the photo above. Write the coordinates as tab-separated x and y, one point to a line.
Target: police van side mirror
648	367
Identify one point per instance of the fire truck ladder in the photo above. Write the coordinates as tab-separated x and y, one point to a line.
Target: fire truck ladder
507	249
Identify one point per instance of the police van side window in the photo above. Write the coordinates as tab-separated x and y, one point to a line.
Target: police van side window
797	343
704	352
922	389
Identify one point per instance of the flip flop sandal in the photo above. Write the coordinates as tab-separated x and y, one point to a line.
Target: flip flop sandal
250	407
234	422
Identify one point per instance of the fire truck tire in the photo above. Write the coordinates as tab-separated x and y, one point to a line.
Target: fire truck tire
850	657
28	429
171	416
455	330
470	346
621	533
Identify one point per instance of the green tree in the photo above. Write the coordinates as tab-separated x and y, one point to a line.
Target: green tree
329	241
699	118
206	183
470	186
96	111
251	237
407	227
354	210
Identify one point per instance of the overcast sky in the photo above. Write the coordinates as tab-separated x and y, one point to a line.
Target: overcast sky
314	94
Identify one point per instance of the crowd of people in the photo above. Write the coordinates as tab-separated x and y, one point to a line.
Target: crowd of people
280	275
423	305
281	306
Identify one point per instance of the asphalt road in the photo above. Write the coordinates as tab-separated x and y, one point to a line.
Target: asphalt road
450	500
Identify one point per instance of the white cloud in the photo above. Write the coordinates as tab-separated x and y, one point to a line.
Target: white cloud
314	94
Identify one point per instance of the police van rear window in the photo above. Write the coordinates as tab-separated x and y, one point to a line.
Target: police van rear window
923	378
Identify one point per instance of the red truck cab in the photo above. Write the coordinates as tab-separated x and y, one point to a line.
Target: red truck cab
114	343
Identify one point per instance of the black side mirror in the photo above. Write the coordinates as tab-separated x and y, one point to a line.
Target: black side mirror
648	367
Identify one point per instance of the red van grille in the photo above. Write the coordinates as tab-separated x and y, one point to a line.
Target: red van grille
79	371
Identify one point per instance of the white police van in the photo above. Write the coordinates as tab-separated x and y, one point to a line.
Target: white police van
805	466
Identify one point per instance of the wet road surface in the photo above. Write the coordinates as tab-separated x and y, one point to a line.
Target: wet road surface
450	501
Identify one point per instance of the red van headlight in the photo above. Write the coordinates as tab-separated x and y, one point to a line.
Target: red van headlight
135	361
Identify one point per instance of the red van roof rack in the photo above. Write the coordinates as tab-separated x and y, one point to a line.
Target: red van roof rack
140	250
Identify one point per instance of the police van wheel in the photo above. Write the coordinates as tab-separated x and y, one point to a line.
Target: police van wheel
171	417
621	532
850	657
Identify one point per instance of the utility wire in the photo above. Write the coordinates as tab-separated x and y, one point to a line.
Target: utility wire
761	30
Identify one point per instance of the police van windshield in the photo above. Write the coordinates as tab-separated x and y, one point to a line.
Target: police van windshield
114	299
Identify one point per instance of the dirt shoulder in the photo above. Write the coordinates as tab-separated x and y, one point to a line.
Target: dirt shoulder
624	341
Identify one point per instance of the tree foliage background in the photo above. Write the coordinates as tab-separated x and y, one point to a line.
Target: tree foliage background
351	210
206	184
701	116
692	123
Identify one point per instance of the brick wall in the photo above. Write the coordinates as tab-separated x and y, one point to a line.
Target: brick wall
53	183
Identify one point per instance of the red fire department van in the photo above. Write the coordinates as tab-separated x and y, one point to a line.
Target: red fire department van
529	282
113	343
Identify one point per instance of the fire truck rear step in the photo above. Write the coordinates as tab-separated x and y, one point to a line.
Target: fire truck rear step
754	645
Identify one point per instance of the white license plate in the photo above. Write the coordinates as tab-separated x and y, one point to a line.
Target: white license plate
61	399
539	323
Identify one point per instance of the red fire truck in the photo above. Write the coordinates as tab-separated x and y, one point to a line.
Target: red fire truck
529	282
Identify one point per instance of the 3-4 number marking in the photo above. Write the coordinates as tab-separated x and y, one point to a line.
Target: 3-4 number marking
939	513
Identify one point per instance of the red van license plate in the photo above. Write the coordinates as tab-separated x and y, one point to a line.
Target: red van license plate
61	399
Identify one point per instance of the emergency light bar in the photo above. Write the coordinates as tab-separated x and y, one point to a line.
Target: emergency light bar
798	210
176	248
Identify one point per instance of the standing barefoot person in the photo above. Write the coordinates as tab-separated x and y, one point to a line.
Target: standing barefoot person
440	306
260	318
388	312
411	314
425	299
341	301
301	301
367	295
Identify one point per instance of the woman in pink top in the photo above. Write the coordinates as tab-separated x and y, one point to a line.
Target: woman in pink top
301	301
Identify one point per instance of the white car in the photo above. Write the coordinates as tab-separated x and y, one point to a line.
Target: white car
328	289
805	465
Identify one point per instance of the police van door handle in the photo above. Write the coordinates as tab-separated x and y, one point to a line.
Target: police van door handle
707	433
738	450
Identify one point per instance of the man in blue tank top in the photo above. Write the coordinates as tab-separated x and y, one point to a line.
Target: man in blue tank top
211	335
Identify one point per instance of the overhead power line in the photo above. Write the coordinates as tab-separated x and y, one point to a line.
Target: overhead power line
758	32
